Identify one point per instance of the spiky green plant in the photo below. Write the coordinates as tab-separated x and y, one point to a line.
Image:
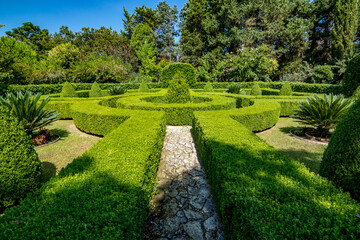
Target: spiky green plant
28	110
117	90
322	113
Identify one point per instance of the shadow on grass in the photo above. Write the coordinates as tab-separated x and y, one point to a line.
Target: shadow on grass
61	132
49	170
311	160
259	190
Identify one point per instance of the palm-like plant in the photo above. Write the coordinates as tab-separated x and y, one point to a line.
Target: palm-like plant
28	110
117	90
323	113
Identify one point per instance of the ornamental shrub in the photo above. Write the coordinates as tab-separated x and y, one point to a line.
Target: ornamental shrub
68	90
208	87
341	159
95	91
20	168
117	90
352	75
323	113
178	91
187	70
286	89
322	74
29	110
255	89
144	87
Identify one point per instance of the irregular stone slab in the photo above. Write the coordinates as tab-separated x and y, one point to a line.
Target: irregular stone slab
183	207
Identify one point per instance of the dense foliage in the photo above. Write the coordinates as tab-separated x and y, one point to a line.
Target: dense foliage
184	69
341	160
20	168
143	87
352	75
68	90
29	110
255	89
208	87
285	90
95	91
323	113
117	90
178	91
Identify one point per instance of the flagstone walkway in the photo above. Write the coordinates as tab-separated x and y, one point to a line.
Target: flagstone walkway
183	207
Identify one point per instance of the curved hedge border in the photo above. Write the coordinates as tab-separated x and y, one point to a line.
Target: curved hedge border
105	193
261	193
177	114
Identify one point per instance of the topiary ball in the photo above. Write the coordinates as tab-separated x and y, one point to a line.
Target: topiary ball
178	91
285	89
256	90
144	87
185	69
68	90
341	159
208	87
352	75
20	167
95	91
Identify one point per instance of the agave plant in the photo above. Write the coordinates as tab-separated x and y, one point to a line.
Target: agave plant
322	113
30	112
117	90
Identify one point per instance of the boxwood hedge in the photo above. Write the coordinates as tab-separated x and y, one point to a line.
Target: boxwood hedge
105	193
20	167
261	193
185	69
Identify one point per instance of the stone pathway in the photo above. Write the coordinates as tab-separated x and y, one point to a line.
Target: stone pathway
183	207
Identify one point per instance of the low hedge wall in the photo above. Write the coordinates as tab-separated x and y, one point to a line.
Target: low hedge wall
177	114
296	87
262	194
105	193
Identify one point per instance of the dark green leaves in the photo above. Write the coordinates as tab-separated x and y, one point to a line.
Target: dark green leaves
29	111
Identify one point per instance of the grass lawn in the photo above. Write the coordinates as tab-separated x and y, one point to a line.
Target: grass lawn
71	145
279	137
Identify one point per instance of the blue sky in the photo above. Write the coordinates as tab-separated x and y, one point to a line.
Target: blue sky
74	14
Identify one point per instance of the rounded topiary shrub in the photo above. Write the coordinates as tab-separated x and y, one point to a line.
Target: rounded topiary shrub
144	87
187	70
95	91
352	75
341	159
178	91
208	87
68	90
20	168
286	89
255	89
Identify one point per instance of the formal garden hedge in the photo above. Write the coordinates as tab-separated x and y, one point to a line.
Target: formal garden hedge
105	193
260	193
296	87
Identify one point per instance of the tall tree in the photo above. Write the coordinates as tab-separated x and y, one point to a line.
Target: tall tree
167	18
33	35
345	27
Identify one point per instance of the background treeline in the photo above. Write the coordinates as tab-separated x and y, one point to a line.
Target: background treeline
226	40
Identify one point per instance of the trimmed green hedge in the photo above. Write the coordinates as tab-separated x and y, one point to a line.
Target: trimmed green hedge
262	194
177	113
20	167
185	69
105	193
296	87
